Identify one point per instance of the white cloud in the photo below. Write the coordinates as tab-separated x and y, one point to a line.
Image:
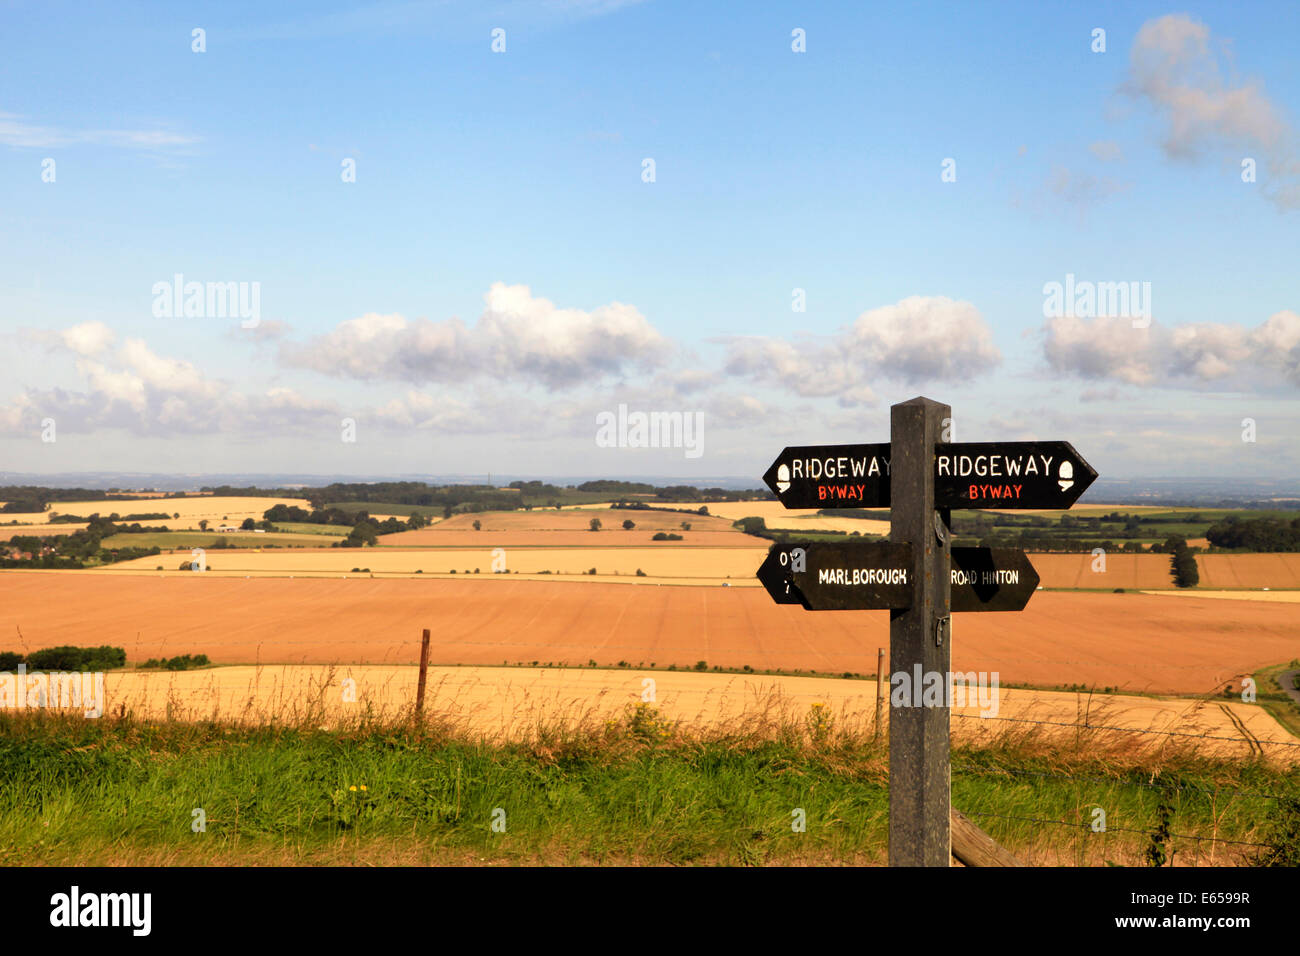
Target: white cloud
1277	342
925	338
15	132
88	338
1207	350
1192	354
918	339
134	389
518	337
1101	348
1174	67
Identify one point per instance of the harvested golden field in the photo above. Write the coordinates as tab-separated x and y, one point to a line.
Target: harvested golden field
191	510
705	565
776	515
541	528
42	530
1249	570
1122	571
1270	597
611	519
1150	571
511	703
605	538
1133	642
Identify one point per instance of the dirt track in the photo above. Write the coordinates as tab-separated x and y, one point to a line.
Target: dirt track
1134	642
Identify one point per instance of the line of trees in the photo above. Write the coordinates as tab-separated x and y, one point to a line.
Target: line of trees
78	549
1256	534
66	658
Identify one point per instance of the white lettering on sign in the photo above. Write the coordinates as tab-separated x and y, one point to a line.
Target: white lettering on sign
861	576
985	577
993	466
816	469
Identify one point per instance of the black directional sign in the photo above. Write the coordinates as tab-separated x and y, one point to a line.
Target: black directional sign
1046	474
839	576
1028	474
991	579
876	575
831	476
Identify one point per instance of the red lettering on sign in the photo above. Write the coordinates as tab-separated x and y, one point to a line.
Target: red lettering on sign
994	491
842	492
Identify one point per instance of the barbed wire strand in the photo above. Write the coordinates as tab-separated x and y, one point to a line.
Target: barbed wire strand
991	771
1110	829
1133	730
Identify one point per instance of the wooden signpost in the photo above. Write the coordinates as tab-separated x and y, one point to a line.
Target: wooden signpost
918	576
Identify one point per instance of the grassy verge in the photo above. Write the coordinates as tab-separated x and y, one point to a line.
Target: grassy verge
633	790
1269	695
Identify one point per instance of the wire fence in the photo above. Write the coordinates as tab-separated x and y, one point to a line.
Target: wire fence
1137	730
1158	837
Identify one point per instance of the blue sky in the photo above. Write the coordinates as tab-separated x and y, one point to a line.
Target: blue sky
522	171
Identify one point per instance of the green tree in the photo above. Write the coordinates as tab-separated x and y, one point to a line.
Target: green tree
1182	562
1186	574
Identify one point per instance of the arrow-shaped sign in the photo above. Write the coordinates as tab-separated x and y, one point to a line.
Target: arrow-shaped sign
876	575
991	579
1040	475
839	576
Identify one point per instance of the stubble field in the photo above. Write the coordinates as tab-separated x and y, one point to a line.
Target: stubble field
513	704
699	565
776	515
1132	642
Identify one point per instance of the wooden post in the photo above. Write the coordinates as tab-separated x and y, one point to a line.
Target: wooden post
424	676
973	847
920	800
880	686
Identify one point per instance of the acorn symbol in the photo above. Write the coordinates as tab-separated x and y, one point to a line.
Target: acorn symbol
1066	478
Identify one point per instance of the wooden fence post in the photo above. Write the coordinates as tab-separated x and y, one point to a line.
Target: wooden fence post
424	676
880	686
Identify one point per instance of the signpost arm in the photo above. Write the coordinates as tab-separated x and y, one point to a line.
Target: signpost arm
920	645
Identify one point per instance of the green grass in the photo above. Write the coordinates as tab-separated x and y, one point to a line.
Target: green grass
787	535
1271	697
303	527
635	790
206	539
380	508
